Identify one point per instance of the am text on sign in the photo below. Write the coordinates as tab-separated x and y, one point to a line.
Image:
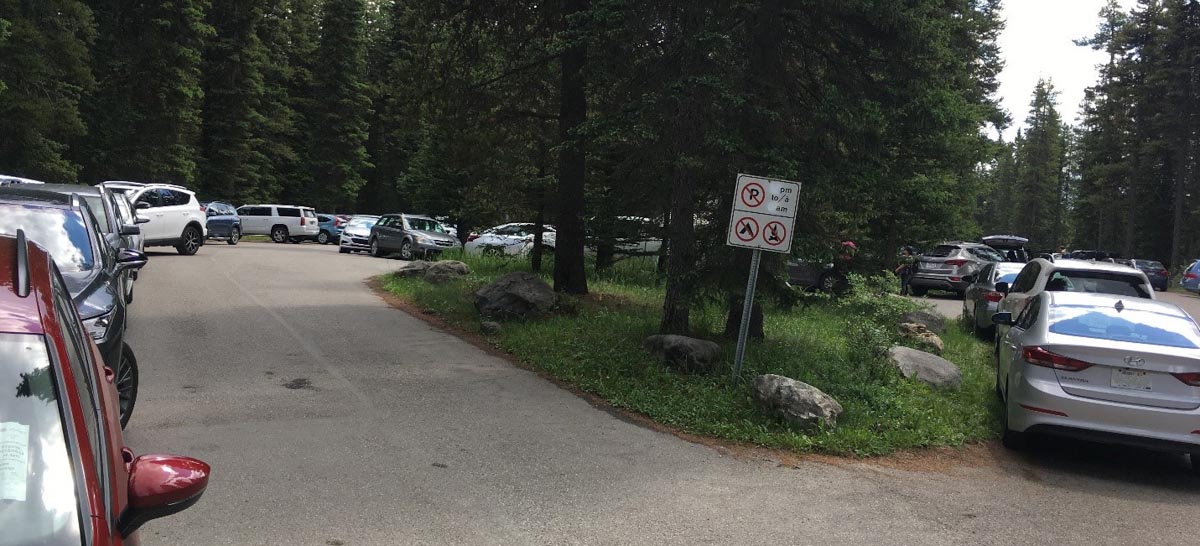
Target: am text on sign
764	213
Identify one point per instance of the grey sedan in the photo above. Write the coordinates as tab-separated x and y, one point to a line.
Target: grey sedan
1102	368
981	298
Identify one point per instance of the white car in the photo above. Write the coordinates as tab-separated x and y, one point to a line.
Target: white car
1041	275
509	240
9	179
175	216
282	222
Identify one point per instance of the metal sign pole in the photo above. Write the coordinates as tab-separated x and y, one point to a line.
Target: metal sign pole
747	305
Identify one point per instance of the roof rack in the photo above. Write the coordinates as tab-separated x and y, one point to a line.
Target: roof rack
22	280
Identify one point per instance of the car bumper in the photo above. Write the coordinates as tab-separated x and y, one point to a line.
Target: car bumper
1059	413
354	242
938	283
434	247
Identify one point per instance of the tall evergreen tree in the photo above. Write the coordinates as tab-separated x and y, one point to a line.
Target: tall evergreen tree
338	120
1039	199
45	71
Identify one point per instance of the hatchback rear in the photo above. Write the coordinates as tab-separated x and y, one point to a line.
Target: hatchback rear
947	266
1190	280
1155	271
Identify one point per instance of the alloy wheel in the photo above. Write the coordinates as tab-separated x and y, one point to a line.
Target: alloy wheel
127	384
235	236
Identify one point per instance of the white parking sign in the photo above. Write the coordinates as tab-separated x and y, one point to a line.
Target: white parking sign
764	213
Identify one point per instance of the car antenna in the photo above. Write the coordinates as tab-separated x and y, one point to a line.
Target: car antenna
22	281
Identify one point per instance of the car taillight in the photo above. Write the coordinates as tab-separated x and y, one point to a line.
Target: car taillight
1190	275
1190	379
994	296
956	263
1041	357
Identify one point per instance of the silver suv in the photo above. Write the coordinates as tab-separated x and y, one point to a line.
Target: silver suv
945	267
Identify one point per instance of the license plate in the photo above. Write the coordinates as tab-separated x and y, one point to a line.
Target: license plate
1125	378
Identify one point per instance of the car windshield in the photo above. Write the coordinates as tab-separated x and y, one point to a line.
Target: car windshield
424	224
362	222
1101	282
1127	325
123	208
61	231
37	485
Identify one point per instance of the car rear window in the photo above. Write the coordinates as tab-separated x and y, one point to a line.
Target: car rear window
1127	325
309	213
942	251
1148	264
38	504
1100	282
984	253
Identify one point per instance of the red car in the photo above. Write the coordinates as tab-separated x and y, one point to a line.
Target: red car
66	476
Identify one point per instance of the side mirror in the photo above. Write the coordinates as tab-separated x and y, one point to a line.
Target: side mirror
139	219
127	230
161	485
1002	319
129	258
1002	287
141	205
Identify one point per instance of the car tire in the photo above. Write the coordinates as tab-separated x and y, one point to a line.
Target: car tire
279	234
1010	438
190	242
918	292
406	250
235	235
1195	457
126	382
323	237
343	250
375	250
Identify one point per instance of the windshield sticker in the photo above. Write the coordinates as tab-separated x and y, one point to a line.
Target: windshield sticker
14	461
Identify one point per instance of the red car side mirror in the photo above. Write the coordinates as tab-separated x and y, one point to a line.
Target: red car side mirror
161	485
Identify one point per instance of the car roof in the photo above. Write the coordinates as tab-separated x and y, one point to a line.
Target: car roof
71	188
1097	299
1087	265
960	243
20	315
418	216
26	194
275	205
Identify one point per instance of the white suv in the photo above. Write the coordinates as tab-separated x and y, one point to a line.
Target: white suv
1041	275
282	222
175	215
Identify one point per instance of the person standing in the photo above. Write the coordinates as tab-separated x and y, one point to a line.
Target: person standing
905	270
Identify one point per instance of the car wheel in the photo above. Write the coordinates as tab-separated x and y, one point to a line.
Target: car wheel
343	250
1010	438
406	250
375	250
234	236
127	383
279	234
1195	457
191	240
323	237
918	292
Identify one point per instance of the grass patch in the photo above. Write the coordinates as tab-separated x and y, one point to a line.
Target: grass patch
837	346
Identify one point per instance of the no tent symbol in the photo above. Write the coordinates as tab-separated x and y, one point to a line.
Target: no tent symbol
746	229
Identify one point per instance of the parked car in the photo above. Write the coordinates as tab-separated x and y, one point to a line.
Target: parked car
69	477
1098	255
508	239
826	277
1012	247
1190	280
356	234
283	223
1041	275
1155	271
1101	367
175	215
330	227
104	204
982	299
6	179
222	222
947	264
409	235
91	268
629	235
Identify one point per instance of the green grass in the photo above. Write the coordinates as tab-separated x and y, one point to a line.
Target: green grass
838	347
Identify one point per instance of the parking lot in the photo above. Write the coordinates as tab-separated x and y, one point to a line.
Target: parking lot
950	305
330	418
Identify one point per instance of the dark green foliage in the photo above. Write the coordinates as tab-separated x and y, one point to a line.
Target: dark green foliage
44	72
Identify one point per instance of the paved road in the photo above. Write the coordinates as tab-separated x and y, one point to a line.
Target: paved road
333	419
951	306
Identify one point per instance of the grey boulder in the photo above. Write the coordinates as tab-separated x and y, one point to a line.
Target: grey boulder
796	402
933	321
930	369
414	268
923	337
685	354
519	294
445	271
489	327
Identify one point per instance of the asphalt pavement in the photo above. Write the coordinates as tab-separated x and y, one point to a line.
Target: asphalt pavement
951	306
333	419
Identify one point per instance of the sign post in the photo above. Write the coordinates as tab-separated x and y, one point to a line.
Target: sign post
764	213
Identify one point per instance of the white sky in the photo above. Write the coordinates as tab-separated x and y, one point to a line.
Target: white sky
1037	43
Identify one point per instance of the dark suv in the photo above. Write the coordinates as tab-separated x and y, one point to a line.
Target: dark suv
92	269
223	222
948	265
74	481
410	235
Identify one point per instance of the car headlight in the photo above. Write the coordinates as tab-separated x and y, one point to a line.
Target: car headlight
97	327
422	240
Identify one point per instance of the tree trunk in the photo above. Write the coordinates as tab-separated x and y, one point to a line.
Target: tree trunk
539	226
570	276
733	321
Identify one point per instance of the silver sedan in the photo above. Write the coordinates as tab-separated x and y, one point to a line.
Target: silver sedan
1102	368
981	299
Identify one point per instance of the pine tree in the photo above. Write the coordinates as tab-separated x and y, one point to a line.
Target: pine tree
338	124
44	65
1039	202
